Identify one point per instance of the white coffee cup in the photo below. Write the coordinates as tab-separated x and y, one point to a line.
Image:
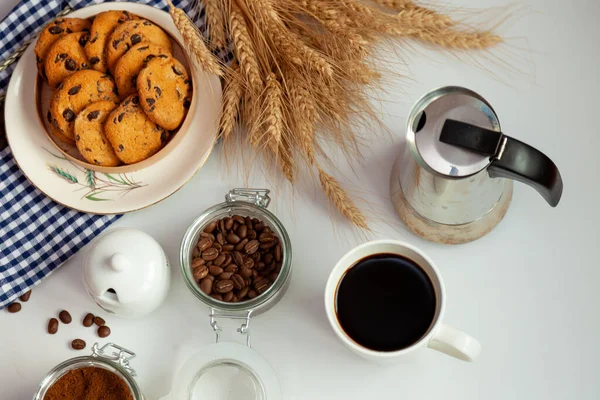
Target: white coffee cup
439	337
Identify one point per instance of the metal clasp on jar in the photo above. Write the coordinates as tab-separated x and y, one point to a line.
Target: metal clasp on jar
244	329
121	356
258	197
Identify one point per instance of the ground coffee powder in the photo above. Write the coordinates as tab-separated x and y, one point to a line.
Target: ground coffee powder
89	383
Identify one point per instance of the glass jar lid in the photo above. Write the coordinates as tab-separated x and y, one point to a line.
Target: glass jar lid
225	371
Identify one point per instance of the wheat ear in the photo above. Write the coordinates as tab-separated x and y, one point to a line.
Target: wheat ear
194	41
304	114
460	40
273	122
341	200
232	97
216	22
244	49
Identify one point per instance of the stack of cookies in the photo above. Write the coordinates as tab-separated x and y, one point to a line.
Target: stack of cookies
119	95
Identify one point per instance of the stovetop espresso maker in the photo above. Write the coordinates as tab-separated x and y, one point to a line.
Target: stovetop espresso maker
454	182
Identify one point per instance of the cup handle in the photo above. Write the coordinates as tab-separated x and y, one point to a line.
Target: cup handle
455	343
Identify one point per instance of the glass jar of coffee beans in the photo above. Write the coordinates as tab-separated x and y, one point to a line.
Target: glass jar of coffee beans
236	257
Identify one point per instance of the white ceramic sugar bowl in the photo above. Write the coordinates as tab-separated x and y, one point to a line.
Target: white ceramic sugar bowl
126	272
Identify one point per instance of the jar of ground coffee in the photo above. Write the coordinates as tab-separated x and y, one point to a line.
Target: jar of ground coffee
236	258
105	374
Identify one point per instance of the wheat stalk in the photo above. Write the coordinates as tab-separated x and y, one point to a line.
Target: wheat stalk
194	41
216	22
341	200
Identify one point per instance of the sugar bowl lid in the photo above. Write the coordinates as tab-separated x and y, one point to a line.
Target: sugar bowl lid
126	262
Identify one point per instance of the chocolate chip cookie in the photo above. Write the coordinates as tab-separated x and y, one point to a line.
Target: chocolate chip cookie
131	33
75	93
54	31
133	135
131	63
90	139
165	91
104	24
65	57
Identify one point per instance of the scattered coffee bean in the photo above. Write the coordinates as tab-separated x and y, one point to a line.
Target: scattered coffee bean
25	296
103	331
65	317
236	258
78	344
99	321
14	307
52	326
88	320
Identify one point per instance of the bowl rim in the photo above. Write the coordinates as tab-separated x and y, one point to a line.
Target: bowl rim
180	132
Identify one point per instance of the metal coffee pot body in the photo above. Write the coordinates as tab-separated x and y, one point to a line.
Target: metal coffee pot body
454	181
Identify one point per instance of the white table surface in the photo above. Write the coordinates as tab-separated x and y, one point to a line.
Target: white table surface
528	291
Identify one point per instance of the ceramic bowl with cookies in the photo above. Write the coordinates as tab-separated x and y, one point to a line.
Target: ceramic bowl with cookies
113	90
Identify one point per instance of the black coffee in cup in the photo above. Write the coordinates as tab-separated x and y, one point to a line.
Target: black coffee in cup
385	302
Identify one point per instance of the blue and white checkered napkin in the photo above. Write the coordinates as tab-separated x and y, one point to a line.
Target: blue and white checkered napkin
36	234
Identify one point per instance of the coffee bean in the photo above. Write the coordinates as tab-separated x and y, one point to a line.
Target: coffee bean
220	260
209	263
220	238
268	258
204	244
210	254
242	231
251	247
237	258
248	222
266	237
227	261
198	262
25	296
228	247
259	226
267	245
278	253
52	326
196	253
99	321
210	227
246	272
103	331
254	273
221	226
88	320
78	344
226	275
240	245
211	277
65	317
217	246
248	263
228	297
214	270
233	238
243	292
251	234
260	265
238	281
208	235
232	268
223	286
228	223
251	294
217	296
272	276
206	285
239	219
261	285
200	273
14	307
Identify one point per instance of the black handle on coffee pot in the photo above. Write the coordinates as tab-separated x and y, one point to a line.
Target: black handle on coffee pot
511	158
